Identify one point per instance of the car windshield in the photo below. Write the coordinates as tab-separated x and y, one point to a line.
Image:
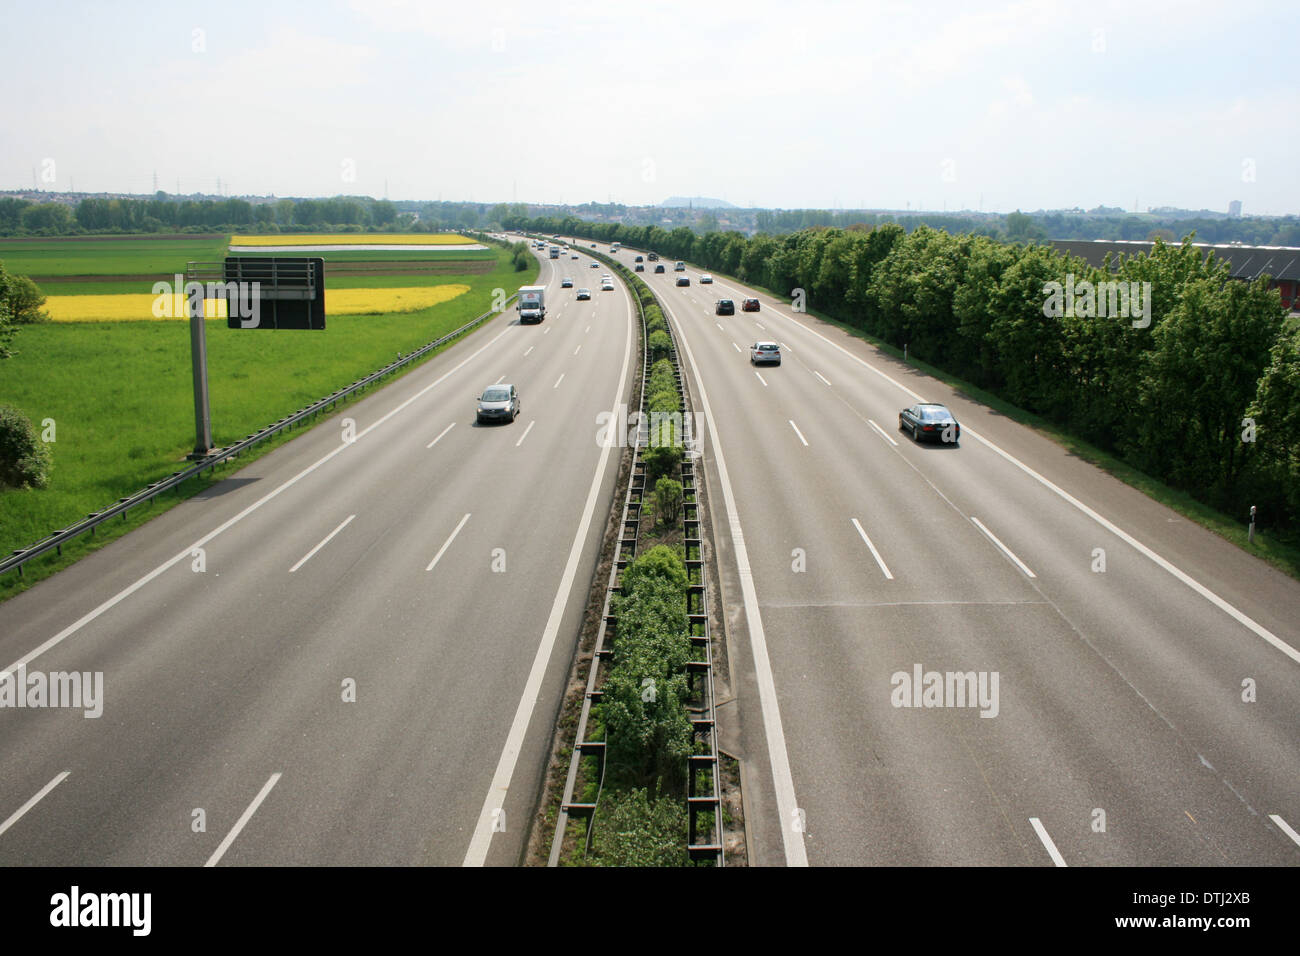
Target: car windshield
766	346
935	413
496	395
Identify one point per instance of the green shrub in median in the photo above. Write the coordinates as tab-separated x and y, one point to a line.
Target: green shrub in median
634	829
660	345
668	500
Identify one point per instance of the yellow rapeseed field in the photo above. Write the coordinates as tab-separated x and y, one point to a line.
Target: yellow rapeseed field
136	307
353	239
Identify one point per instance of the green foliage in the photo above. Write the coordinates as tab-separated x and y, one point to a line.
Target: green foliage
23	299
660	345
661	460
635	829
668	500
7	330
24	458
521	257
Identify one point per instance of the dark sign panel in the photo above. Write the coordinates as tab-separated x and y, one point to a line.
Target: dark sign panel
275	292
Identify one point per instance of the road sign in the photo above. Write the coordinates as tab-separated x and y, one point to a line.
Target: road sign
275	292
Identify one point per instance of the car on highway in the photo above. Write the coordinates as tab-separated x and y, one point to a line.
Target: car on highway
652	257
593	245
498	403
683	280
639	259
766	353
929	420
607	285
640	267
724	307
749	305
583	294
595	264
659	268
566	283
574	256
706	279
679	267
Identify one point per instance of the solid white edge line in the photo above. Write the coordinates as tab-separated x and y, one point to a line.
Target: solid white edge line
40	795
1052	851
874	553
440	434
883	434
447	544
242	821
525	434
1281	824
498	790
1002	547
797	432
821	376
792	841
324	541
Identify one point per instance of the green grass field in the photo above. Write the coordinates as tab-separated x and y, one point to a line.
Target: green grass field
107	257
121	397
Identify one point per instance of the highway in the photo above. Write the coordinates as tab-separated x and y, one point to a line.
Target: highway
1118	734
349	652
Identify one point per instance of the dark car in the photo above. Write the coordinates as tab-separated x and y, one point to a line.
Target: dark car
640	267
595	264
929	420
765	352
749	305
683	280
652	256
659	268
725	307
498	403
639	259
566	283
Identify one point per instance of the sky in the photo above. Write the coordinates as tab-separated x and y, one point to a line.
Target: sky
924	105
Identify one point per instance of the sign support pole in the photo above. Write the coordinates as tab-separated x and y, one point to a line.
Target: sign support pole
199	357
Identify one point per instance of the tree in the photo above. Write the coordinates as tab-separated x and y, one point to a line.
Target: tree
24	458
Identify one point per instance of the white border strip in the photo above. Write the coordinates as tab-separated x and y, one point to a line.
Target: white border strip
324	541
21	811
1052	851
1002	547
874	553
242	821
447	544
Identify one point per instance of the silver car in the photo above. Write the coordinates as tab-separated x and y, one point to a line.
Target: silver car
768	353
498	403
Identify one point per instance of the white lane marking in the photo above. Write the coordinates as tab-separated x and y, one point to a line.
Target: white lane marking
586	330
226	525
558	381
498	790
440	434
577	350
1002	547
1052	851
782	779
1282	825
761	326
447	544
821	376
525	434
874	553
797	432
719	325
760	378
529	349
500	380
546	330
40	795
786	347
326	540
737	347
242	821
883	434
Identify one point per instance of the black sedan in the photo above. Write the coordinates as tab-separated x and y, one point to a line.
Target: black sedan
930	420
725	307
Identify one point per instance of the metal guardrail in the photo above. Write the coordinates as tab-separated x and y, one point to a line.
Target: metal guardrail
57	539
703	717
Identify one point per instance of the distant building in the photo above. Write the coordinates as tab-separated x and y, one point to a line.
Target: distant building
1234	209
1246	263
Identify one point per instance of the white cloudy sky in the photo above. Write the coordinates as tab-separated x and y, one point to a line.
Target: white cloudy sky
800	104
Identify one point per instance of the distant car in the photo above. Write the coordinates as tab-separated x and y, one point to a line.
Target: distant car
593	245
498	403
749	305
683	280
706	279
680	267
583	294
574	256
659	268
768	353
640	267
652	257
566	283
639	259
725	306
607	286
929	420
595	264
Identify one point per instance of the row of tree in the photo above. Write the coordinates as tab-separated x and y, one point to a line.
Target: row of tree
1197	382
